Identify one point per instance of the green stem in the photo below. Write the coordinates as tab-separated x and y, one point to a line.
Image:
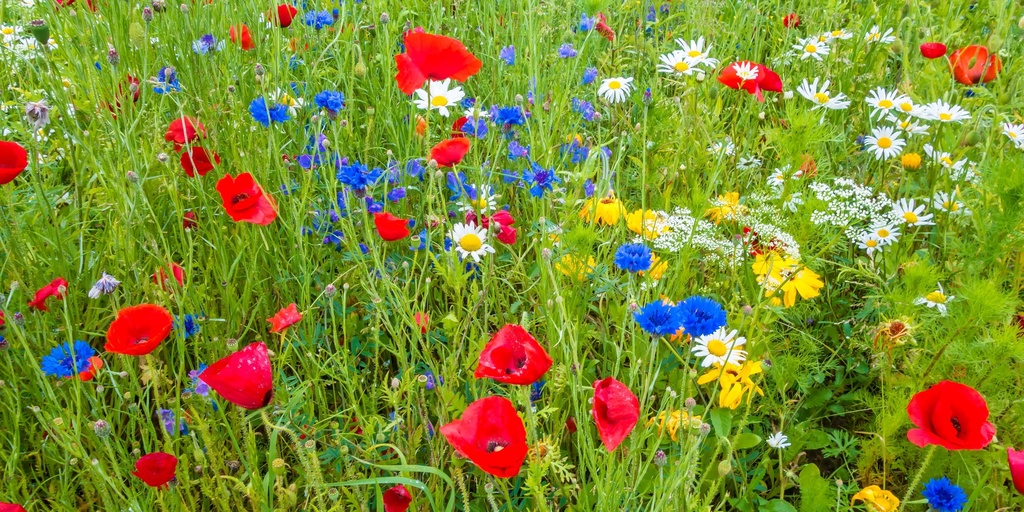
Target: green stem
920	472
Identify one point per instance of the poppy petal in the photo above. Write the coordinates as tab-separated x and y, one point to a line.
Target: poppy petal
243	378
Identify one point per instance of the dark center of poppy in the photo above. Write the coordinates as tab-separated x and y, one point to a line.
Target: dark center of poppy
956	424
518	363
239	198
495	446
140	340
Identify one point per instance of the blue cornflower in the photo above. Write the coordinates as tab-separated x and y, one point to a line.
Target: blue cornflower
206	44
396	194
61	363
944	496
589	75
659	319
414	168
508	54
432	381
265	114
372	206
578	153
701	315
588	187
516	150
167	417
566	51
319	19
334	237
587	23
652	14
508	116
633	257
476	127
199	387
585	108
358	176
188	325
468	102
456	183
536	389
166	81
333	101
540	179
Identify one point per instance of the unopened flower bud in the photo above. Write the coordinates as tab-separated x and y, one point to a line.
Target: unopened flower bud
147	14
101	429
660	459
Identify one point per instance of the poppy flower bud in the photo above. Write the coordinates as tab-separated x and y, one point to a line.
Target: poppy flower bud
279	466
791	20
40	31
724	468
162	157
360	69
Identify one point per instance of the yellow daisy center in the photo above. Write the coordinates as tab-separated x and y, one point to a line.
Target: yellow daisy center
470	242
821	97
837	33
439	101
717	348
871	242
885	104
884	142
936	297
1013	135
681	66
7	30
479	204
883	233
910	217
811	48
945	116
953	208
693	53
906	106
614	85
947	160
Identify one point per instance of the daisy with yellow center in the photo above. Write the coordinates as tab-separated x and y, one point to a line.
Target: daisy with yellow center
616	89
720	347
695	52
936	299
911	213
438	96
676	63
811	48
1014	132
884	143
821	97
883	101
945	113
470	240
870	244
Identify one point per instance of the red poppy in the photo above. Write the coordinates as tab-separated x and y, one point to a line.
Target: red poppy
602	27
389	227
751	77
245	39
434	57
284	318
421	319
397	499
67	3
491	434
160	277
11	507
950	415
457	127
245	201
513	356
184	130
51	290
243	378
791	20
285	15
506	233
198	160
138	330
616	411
1	319
95	365
933	50
972	65
156	469
188	221
1016	460
13	160
570	425
450	152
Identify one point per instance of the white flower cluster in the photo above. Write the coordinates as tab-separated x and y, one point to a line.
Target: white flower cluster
849	205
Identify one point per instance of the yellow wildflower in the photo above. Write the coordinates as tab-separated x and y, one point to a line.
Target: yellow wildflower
649	224
877	498
776	272
911	160
574	267
671	421
726	207
607	212
658	268
735	381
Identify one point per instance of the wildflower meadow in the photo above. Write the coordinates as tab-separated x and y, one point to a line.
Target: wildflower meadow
512	255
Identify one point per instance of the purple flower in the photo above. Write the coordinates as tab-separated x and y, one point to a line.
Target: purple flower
396	194
516	150
566	51
589	75
508	54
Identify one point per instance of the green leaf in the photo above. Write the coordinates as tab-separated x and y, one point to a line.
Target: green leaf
746	440
778	506
815	492
721	419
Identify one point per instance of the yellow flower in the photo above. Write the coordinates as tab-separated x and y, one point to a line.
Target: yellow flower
727	207
658	268
608	211
877	498
574	267
735	382
777	273
646	223
671	421
911	160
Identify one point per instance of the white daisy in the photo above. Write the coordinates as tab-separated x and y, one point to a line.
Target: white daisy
438	96
882	101
1014	132
470	240
720	347
476	113
8	33
905	105
908	126
870	243
778	440
676	63
748	162
811	48
694	50
486	200
912	213
936	299
777	178
947	202
838	34
875	35
886	234
941	111
793	201
944	158
884	142
294	103
821	97
616	89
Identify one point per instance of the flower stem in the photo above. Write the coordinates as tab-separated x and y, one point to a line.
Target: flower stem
920	472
